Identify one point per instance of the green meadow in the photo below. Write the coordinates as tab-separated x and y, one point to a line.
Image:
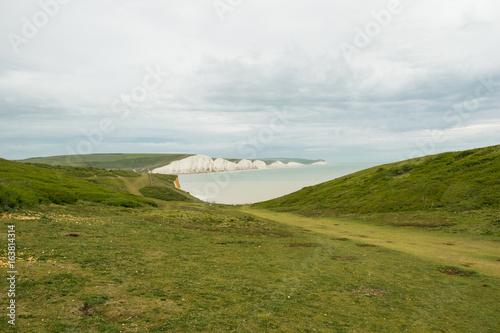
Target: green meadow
115	251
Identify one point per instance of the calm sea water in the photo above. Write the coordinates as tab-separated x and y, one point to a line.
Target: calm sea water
250	186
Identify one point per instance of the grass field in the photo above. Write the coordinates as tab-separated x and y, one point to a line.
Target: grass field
117	251
189	267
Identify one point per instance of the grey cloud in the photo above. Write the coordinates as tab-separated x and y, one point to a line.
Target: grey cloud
222	80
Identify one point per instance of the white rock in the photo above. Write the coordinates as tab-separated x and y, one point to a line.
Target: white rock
277	164
221	164
257	164
203	164
245	165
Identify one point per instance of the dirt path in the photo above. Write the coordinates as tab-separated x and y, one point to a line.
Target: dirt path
477	253
134	184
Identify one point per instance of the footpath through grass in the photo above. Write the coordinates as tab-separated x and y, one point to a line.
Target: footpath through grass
189	267
468	251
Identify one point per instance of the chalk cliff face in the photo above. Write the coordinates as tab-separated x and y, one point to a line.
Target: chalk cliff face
203	164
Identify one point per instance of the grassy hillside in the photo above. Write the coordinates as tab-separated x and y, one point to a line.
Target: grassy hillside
29	185
140	162
452	182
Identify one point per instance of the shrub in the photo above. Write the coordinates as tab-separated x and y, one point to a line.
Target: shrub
162	193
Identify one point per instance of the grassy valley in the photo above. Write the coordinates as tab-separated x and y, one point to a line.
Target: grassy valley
117	251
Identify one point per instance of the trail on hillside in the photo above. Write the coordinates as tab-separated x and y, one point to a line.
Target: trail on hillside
476	252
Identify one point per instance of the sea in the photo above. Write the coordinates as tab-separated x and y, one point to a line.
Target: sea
251	186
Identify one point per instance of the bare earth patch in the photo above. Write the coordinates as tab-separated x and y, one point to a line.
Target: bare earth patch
365	291
345	258
303	245
18	217
366	245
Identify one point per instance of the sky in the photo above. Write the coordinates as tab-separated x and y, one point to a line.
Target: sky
343	81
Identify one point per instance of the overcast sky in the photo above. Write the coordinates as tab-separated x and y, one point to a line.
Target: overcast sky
345	81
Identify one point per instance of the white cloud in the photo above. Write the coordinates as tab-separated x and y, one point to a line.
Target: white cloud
223	79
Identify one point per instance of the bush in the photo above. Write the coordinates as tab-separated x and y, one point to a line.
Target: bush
162	193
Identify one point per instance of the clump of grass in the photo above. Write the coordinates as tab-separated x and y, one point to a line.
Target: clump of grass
303	245
365	291
90	303
451	270
344	258
163	193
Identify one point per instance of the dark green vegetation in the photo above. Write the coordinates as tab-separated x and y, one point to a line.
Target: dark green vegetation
190	267
431	191
139	162
27	186
162	193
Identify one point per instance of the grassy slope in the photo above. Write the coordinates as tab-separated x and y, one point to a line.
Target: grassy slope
26	186
196	268
141	162
451	182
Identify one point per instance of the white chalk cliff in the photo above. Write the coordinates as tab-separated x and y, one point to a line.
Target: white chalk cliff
203	164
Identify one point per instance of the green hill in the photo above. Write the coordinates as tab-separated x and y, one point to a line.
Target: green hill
136	162
29	185
454	181
140	162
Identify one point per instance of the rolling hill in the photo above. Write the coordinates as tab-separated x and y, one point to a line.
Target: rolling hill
140	162
29	185
453	181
